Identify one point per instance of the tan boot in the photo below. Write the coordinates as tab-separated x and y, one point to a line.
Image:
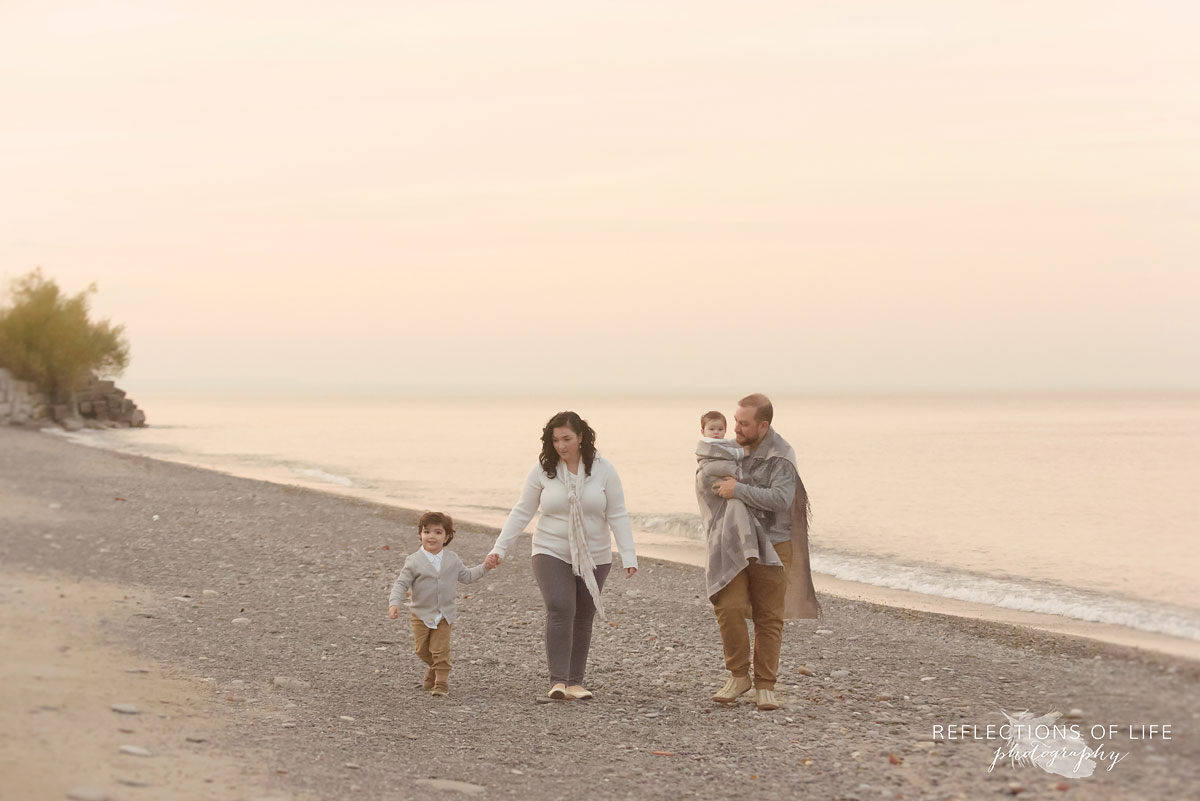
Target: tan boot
441	682
427	684
766	700
734	686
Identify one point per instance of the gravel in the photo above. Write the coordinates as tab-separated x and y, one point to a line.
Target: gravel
309	573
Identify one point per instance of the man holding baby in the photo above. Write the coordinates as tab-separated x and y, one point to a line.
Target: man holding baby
764	591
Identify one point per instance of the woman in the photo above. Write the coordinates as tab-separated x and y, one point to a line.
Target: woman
580	499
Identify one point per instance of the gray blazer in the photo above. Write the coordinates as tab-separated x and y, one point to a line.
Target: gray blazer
433	592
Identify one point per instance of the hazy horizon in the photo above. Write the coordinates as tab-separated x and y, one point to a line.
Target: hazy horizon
825	198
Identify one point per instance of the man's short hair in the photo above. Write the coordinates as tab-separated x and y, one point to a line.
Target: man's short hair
763	411
430	519
704	418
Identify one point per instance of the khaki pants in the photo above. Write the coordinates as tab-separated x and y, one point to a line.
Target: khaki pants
432	646
759	590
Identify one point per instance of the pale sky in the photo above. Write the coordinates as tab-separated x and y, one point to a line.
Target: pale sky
633	196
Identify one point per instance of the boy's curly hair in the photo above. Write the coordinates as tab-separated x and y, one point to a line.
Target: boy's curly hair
437	519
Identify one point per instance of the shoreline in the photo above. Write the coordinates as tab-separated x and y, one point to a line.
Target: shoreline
275	597
692	554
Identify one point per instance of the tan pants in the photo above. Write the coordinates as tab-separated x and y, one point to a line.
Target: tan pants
432	646
758	590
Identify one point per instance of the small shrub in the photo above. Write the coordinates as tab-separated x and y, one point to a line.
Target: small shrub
47	338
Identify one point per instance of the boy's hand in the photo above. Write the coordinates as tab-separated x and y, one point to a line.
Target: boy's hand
393	612
492	560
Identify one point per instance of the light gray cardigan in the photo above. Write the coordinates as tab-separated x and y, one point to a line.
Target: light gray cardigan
433	592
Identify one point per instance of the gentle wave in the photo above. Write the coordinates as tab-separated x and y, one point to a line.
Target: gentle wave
1016	594
320	475
684	526
1019	595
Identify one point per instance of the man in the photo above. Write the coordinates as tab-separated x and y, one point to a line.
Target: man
774	493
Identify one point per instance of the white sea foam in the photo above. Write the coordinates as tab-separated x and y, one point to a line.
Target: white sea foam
88	438
1017	594
321	475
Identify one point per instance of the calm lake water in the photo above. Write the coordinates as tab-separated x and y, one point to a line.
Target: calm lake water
1084	507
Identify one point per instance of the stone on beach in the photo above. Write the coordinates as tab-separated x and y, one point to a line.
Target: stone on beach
449	785
134	750
288	683
88	794
125	709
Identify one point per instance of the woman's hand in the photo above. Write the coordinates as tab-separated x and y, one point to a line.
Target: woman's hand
629	571
393	612
492	560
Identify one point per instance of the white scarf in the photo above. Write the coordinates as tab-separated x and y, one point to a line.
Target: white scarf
582	563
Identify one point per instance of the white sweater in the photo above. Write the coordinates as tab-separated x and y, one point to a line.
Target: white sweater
603	508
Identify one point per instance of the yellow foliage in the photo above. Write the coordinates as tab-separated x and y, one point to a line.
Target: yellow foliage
47	338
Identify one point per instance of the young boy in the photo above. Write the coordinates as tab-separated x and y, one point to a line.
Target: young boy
432	574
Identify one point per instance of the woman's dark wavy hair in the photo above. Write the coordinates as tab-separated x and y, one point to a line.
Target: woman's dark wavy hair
587	442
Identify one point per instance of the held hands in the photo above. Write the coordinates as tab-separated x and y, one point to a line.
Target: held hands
724	487
393	612
492	561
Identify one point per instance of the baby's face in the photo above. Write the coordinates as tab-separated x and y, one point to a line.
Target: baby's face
714	428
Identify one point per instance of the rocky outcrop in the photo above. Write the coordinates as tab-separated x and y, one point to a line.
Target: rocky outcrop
104	403
20	402
100	404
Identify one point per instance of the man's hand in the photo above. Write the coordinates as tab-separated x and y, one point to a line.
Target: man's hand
393	612
492	560
725	486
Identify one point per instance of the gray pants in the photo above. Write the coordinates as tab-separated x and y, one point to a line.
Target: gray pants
569	613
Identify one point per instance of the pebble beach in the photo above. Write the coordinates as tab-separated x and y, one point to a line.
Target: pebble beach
247	621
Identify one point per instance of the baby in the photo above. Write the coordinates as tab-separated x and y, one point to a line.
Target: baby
718	457
433	574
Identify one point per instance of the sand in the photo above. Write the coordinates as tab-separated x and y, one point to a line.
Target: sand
62	678
315	694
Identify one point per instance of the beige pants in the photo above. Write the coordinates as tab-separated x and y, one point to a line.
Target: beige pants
757	590
432	646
